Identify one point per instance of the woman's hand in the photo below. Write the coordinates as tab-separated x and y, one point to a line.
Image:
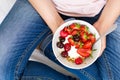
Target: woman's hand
97	26
108	16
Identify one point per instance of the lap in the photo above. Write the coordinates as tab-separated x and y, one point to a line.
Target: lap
39	71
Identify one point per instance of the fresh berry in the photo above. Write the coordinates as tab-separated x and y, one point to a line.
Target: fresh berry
84	52
77	26
92	38
67	46
60	45
83	28
74	32
68	30
87	45
71	41
76	38
72	26
78	45
83	36
62	39
63	33
64	54
78	61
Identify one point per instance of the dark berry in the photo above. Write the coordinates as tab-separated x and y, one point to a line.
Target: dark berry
62	39
67	46
76	38
64	54
60	45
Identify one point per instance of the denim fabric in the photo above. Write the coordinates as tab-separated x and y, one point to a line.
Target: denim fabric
39	71
109	63
20	33
23	29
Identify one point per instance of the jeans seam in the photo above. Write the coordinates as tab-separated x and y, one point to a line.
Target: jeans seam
107	65
24	53
46	45
37	77
87	74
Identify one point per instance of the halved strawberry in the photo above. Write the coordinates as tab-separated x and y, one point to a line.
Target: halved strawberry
72	26
67	29
77	26
92	38
84	52
83	36
63	33
74	32
78	61
71	41
78	45
83	28
87	45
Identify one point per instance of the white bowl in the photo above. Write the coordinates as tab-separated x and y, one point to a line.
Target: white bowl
87	62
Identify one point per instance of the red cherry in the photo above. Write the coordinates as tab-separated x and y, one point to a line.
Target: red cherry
64	54
67	46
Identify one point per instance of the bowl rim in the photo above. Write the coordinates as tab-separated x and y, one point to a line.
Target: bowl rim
68	23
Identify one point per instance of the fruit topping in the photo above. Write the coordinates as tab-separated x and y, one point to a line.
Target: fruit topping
60	45
76	42
64	54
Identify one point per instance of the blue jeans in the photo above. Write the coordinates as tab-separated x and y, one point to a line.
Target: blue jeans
21	32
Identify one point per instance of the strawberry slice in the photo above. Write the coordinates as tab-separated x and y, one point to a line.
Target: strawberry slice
67	29
78	45
75	26
72	26
87	45
84	52
74	32
71	41
83	36
78	61
92	38
83	28
63	33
